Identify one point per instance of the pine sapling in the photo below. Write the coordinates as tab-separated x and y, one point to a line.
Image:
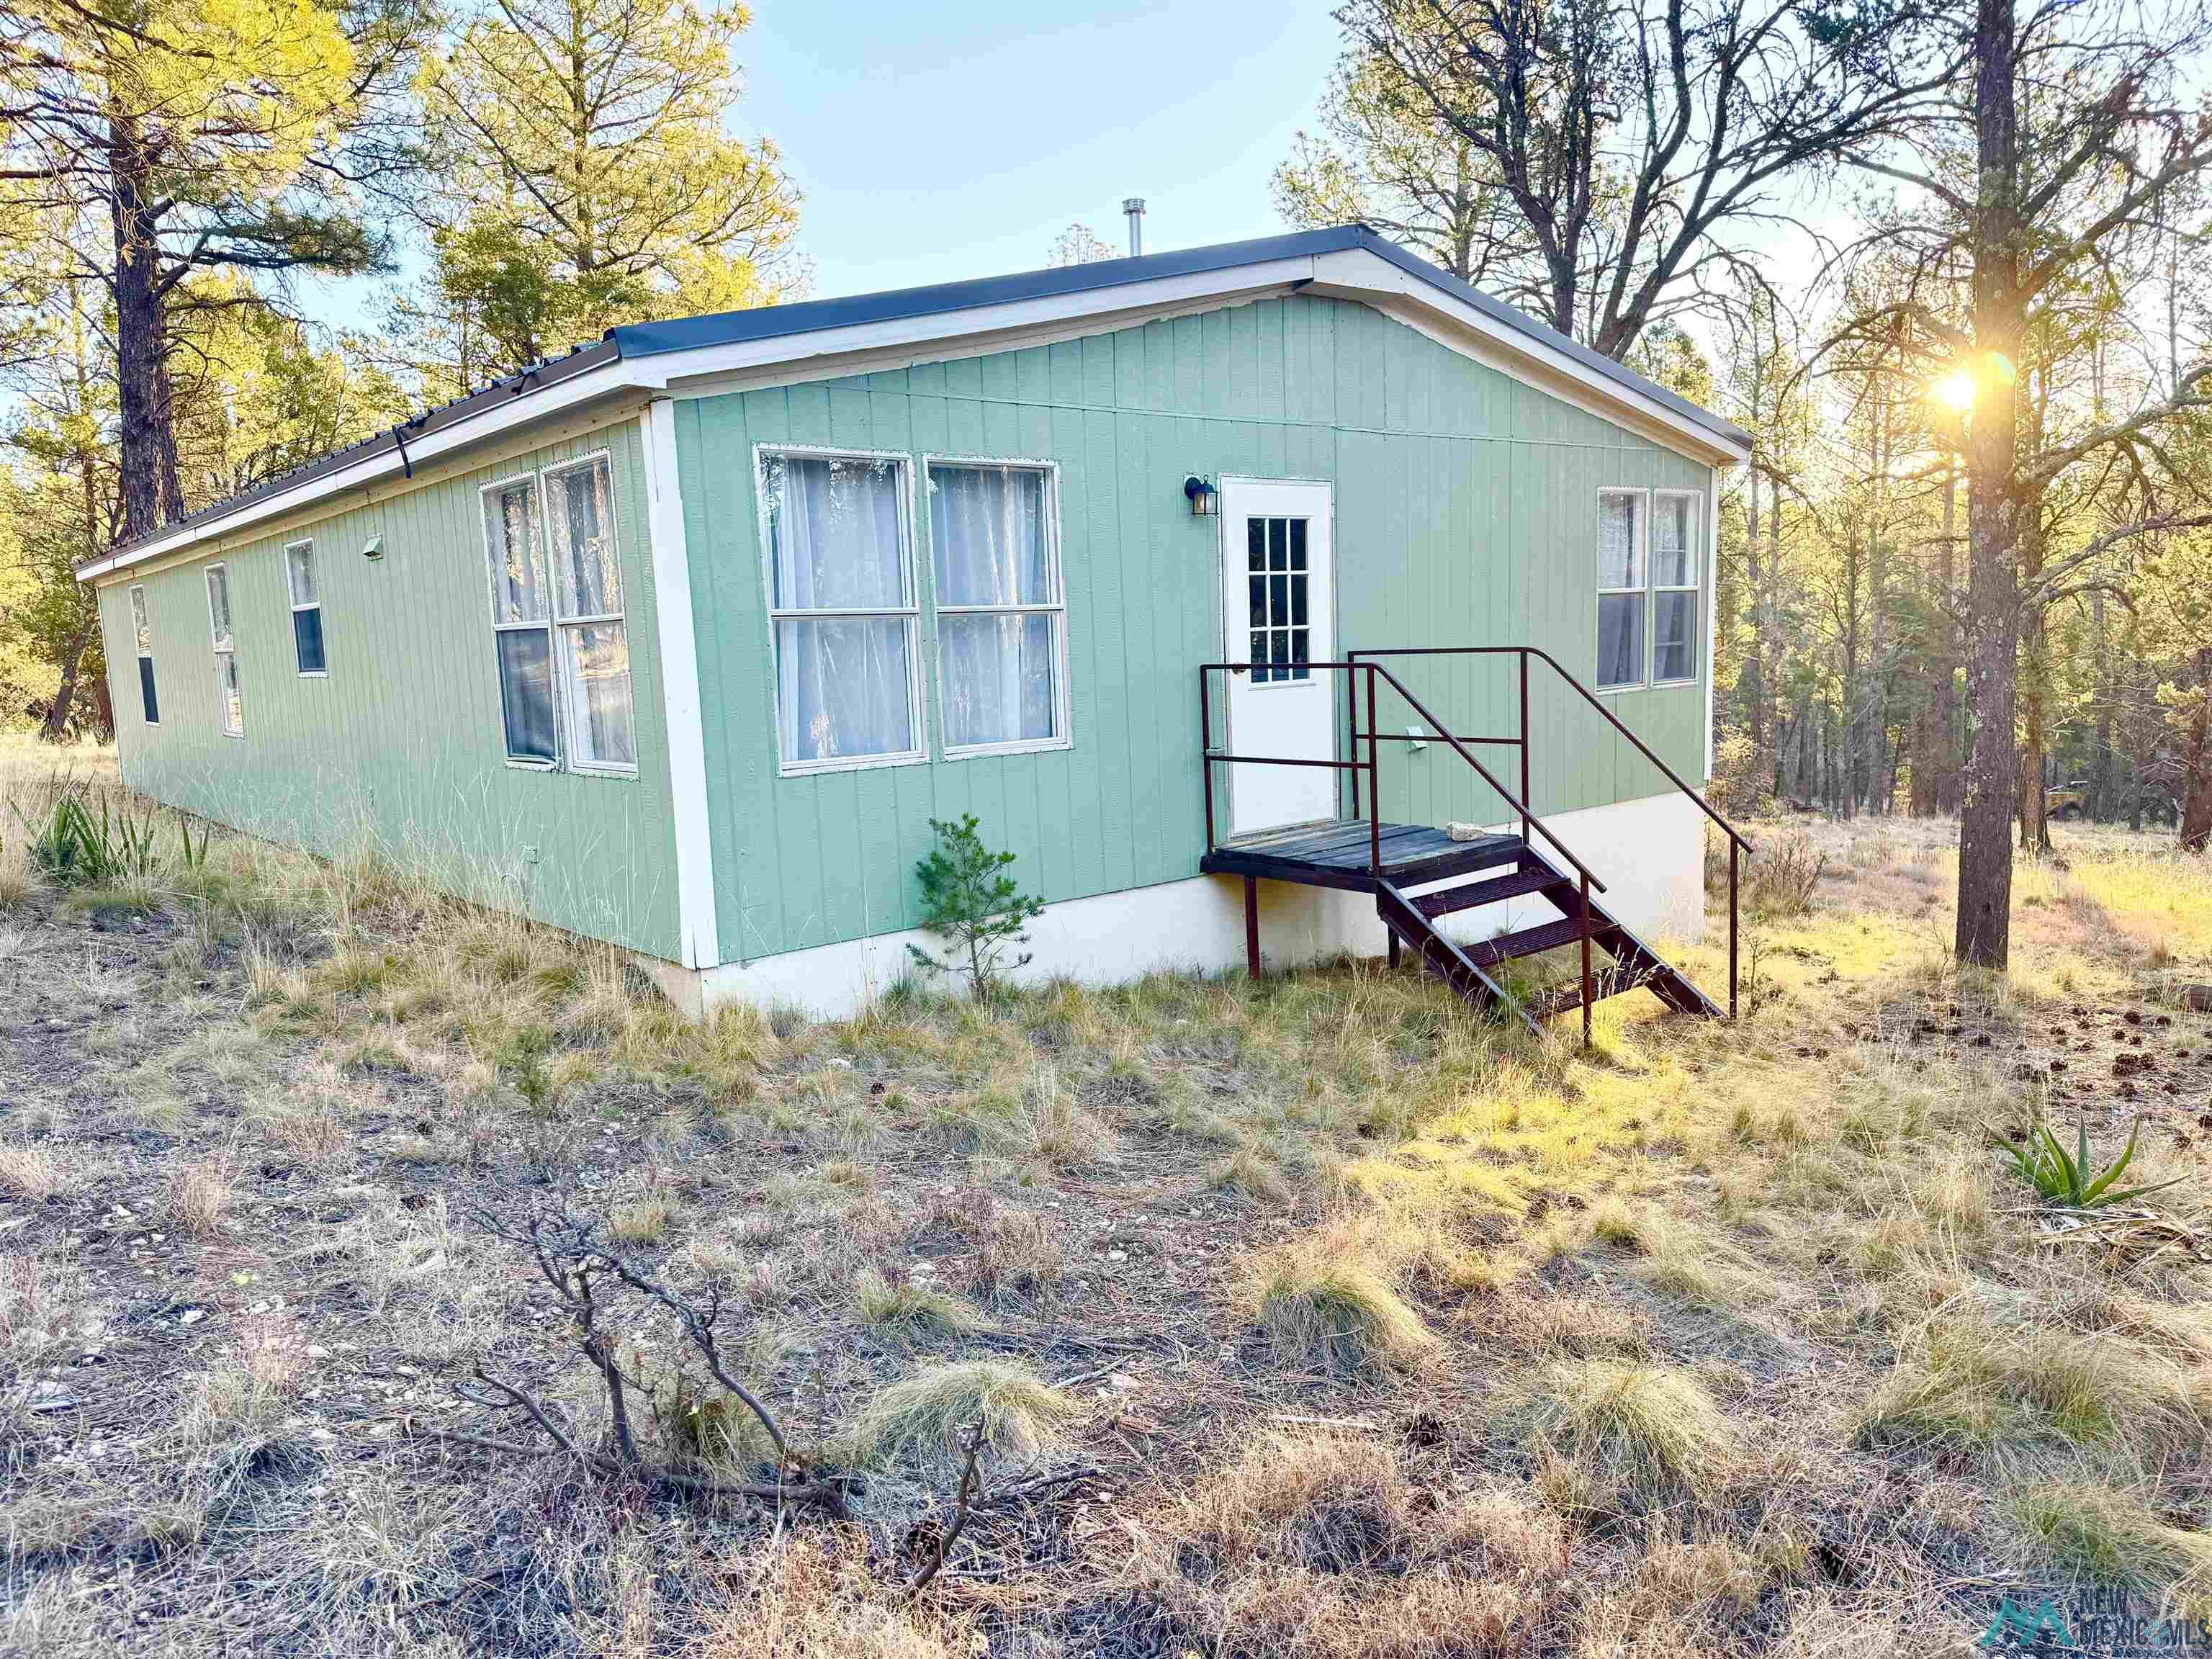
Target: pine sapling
973	906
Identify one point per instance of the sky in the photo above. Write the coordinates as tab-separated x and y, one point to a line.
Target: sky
934	142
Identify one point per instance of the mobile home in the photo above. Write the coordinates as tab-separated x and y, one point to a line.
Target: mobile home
1266	599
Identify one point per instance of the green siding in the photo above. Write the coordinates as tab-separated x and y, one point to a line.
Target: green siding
1465	513
400	747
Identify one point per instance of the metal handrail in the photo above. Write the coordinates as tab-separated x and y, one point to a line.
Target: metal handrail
1738	844
1587	695
1209	755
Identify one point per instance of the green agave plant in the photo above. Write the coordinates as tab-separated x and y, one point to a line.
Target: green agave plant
2070	1178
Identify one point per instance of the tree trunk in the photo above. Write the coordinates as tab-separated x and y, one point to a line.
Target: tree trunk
2034	825
55	728
146	442
1983	936
2196	762
2100	764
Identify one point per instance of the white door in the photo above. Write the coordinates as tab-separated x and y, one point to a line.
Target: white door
1277	611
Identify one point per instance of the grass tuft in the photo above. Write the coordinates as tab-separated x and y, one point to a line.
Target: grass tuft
909	1310
1640	1428
1322	1307
1022	1414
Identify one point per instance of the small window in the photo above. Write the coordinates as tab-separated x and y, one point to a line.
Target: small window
307	608
1001	619
593	646
230	706
1674	587
1275	570
520	618
841	609
144	638
1621	588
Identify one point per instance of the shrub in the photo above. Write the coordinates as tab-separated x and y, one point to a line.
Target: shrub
1780	879
973	906
76	849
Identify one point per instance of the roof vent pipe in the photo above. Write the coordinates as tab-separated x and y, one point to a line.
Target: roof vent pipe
1135	206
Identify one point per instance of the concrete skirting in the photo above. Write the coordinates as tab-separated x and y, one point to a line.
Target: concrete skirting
1650	852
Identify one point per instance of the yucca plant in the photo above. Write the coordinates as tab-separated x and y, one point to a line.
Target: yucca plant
2070	1178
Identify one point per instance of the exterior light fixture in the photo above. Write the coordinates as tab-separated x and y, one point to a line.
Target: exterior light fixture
1205	499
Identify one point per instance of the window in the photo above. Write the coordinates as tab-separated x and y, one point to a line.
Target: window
592	647
230	706
1001	616
307	608
1275	568
1674	587
520	618
1621	588
841	614
144	636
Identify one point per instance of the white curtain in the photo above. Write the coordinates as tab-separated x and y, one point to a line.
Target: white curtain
987	536
844	683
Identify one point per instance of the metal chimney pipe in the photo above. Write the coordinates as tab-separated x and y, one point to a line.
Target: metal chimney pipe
1135	206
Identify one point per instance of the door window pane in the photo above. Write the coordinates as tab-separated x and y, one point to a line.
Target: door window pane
1619	639
1275	552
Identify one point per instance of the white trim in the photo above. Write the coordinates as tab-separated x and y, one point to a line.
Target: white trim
910	613
1652	851
1353	273
697	928
1713	609
1057	610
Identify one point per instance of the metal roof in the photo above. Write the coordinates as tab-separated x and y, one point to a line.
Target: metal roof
645	340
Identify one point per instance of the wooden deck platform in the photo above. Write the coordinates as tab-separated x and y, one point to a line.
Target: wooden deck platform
1335	853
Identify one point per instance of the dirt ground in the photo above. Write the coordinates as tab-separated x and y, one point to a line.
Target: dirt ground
1318	1316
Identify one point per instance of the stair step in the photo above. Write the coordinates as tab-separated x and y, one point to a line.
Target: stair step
1529	941
1567	996
1446	900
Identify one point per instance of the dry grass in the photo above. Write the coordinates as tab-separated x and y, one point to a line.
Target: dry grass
924	1415
1637	1430
1383	1332
28	1171
1322	1307
199	1193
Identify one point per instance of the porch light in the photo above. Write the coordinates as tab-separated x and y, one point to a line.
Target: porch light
1205	499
